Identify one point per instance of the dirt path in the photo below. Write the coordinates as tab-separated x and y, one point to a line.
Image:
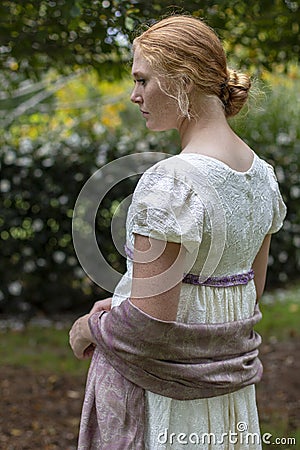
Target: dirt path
41	411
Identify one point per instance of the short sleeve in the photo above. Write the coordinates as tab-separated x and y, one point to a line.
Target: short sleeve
165	207
279	207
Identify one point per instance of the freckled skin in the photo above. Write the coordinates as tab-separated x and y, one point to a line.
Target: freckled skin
161	111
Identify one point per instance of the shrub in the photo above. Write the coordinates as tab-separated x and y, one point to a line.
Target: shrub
41	178
272	129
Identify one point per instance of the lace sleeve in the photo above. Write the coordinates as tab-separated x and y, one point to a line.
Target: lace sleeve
165	207
279	207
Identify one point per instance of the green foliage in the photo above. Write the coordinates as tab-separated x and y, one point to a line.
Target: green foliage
272	129
62	34
70	34
47	156
260	33
36	214
45	159
280	314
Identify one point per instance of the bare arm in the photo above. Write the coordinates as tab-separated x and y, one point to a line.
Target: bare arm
157	276
260	266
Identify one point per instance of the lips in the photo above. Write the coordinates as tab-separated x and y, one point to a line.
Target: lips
144	112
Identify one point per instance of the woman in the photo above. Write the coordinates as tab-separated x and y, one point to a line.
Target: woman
199	225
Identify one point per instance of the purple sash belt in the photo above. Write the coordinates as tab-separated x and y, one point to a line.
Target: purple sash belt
226	281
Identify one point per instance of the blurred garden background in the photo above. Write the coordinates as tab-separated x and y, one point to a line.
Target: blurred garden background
64	113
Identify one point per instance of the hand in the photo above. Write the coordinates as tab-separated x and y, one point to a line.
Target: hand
101	305
81	339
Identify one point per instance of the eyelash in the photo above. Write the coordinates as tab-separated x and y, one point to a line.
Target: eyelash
141	80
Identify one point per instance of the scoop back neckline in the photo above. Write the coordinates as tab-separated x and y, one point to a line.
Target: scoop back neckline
222	163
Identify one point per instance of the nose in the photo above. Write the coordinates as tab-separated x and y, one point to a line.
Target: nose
136	96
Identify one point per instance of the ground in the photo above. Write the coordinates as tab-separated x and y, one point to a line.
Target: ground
41	410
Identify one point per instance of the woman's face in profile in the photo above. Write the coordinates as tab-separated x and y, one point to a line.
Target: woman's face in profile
159	109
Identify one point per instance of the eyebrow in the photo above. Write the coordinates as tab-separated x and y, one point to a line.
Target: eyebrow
137	73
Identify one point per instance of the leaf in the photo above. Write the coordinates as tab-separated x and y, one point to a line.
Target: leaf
73	394
16	432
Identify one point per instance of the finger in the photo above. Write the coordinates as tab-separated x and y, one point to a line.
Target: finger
95	309
102	305
88	352
79	352
98	306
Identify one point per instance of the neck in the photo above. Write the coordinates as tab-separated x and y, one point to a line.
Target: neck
201	132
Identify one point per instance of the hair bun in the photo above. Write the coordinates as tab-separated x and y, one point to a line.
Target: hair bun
235	92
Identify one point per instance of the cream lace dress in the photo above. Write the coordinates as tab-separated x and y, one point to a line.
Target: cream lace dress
221	216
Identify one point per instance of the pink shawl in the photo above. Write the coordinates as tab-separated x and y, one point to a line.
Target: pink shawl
183	361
